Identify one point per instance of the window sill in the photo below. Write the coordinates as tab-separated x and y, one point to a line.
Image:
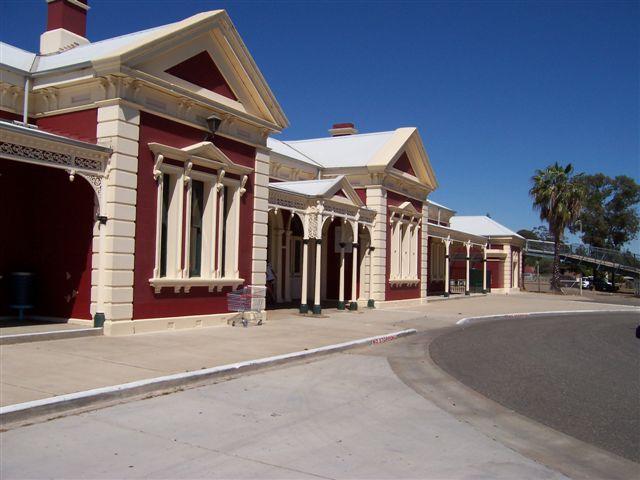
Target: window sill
400	282
187	283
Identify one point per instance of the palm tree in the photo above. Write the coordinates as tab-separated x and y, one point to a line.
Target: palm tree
558	196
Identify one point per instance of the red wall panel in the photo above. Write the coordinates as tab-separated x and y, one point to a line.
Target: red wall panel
199	301
80	125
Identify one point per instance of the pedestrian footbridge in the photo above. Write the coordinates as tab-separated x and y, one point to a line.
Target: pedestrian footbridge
621	263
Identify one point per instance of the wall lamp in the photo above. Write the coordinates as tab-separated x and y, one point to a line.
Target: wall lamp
213	123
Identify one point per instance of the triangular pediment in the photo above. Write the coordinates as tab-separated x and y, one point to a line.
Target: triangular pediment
405	210
343	191
405	157
336	189
203	56
202	71
403	164
202	153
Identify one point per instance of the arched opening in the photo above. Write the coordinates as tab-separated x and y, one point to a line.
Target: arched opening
295	251
334	233
48	231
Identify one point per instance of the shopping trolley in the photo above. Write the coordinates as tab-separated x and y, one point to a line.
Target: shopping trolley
248	301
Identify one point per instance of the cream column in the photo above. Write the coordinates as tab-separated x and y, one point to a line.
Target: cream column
114	236
447	242
286	274
371	301
467	290
99	317
484	268
377	200
424	246
304	306
341	288
316	298
278	264
354	269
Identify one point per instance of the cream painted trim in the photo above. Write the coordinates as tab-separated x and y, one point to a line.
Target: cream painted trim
205	154
130	327
187	283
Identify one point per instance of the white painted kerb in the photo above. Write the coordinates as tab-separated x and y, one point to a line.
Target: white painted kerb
194	375
470	320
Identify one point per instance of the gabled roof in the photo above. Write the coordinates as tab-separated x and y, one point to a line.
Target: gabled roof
344	151
138	50
325	188
375	152
481	225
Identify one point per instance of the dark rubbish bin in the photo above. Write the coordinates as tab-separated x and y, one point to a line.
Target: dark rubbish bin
21	291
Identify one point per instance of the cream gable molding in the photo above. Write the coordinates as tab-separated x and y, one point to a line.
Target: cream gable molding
212	32
205	154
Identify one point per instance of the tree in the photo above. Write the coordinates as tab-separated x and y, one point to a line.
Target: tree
609	218
528	234
543	233
558	196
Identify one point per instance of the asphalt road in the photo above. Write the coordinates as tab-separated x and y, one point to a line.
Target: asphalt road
579	374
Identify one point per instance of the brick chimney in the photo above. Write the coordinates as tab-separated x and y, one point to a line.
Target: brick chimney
66	26
342	129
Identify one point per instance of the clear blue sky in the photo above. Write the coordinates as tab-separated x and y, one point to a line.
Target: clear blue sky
496	89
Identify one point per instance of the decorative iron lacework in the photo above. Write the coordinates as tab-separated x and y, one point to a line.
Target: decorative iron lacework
96	182
339	209
313	225
53	158
287	202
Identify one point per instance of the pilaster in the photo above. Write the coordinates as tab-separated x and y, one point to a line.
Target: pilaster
118	127
377	200
260	217
424	251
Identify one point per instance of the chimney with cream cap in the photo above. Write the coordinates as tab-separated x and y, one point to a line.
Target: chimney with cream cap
66	26
342	129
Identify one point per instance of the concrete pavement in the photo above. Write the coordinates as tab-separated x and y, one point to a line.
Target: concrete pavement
39	371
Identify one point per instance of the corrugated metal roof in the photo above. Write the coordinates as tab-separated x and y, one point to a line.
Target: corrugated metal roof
283	148
435	204
16	58
481	225
308	188
345	151
84	54
92	51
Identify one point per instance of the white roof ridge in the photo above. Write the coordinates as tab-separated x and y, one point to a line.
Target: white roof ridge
17	48
301	153
432	202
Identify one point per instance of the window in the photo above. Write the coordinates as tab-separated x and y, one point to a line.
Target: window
198	218
210	247
195	245
405	227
